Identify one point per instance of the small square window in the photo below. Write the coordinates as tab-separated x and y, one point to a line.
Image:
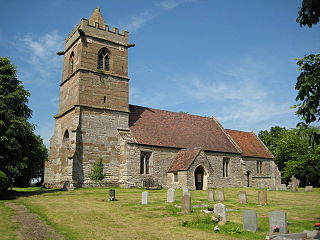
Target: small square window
175	177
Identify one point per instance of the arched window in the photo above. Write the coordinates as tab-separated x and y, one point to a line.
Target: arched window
71	63
104	59
65	140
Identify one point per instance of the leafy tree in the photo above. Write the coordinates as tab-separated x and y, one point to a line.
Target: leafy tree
309	13
21	150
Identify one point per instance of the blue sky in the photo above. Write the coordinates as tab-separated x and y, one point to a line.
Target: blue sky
234	60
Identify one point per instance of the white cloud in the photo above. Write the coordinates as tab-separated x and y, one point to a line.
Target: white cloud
159	8
40	53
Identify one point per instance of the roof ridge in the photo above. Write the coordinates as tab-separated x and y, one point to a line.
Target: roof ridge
265	147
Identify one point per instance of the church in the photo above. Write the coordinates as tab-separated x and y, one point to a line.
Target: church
139	146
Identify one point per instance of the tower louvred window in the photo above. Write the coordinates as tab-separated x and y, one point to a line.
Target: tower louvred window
104	60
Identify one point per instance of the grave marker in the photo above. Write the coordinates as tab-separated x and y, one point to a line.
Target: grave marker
210	195
242	197
112	195
171	195
184	190
186	203
145	198
278	219
262	197
308	189
250	221
219	195
220	210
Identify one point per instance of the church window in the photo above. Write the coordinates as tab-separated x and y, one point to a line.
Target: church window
259	166
104	60
145	162
65	140
71	63
225	167
104	99
175	177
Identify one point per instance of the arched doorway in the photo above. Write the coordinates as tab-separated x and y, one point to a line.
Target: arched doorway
198	178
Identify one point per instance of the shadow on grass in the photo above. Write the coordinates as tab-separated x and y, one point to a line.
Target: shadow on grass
14	194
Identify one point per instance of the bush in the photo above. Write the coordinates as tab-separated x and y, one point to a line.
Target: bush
97	170
4	183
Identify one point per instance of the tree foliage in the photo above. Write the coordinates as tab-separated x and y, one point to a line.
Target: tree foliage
22	153
293	153
309	13
97	170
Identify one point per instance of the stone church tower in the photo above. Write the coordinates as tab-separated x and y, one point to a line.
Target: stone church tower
93	105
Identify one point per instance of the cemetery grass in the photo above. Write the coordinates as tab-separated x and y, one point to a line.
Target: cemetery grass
86	213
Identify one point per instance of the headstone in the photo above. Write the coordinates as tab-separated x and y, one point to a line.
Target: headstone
262	197
219	195
242	197
210	195
250	221
186	203
278	219
283	187
171	195
308	189
112	195
145	198
220	210
294	183
184	190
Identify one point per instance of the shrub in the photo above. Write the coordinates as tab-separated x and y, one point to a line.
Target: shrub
4	183
97	171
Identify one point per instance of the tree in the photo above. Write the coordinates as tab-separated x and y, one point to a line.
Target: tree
309	13
20	147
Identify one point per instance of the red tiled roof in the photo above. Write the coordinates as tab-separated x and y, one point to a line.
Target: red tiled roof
184	159
170	129
250	144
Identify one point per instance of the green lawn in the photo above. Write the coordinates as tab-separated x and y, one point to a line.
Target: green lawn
86	213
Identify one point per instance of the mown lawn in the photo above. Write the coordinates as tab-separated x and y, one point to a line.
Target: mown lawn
86	213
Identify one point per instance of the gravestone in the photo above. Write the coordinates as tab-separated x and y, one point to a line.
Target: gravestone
112	195
308	189
242	197
283	187
294	184
220	210
171	195
184	190
210	195
219	195
278	218
250	221
262	197
145	198
186	203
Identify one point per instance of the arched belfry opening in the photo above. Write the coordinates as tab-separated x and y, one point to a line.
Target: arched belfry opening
200	178
104	59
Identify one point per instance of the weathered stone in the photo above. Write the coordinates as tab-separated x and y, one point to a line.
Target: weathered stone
262	197
242	197
145	198
282	187
278	219
186	203
308	189
210	195
184	190
171	195
250	221
112	195
219	194
220	210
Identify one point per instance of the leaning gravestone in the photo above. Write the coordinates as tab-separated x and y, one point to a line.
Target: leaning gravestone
210	195
262	197
220	210
250	221
184	190
171	195
219	195
242	197
278	219
112	195
186	203
308	189
145	198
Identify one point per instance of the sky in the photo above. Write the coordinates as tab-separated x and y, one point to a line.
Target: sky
234	60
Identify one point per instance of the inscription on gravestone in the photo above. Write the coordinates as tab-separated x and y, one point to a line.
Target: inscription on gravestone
242	197
278	219
250	221
220	210
145	198
171	195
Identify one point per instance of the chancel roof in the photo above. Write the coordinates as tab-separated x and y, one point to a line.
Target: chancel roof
250	144
179	130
